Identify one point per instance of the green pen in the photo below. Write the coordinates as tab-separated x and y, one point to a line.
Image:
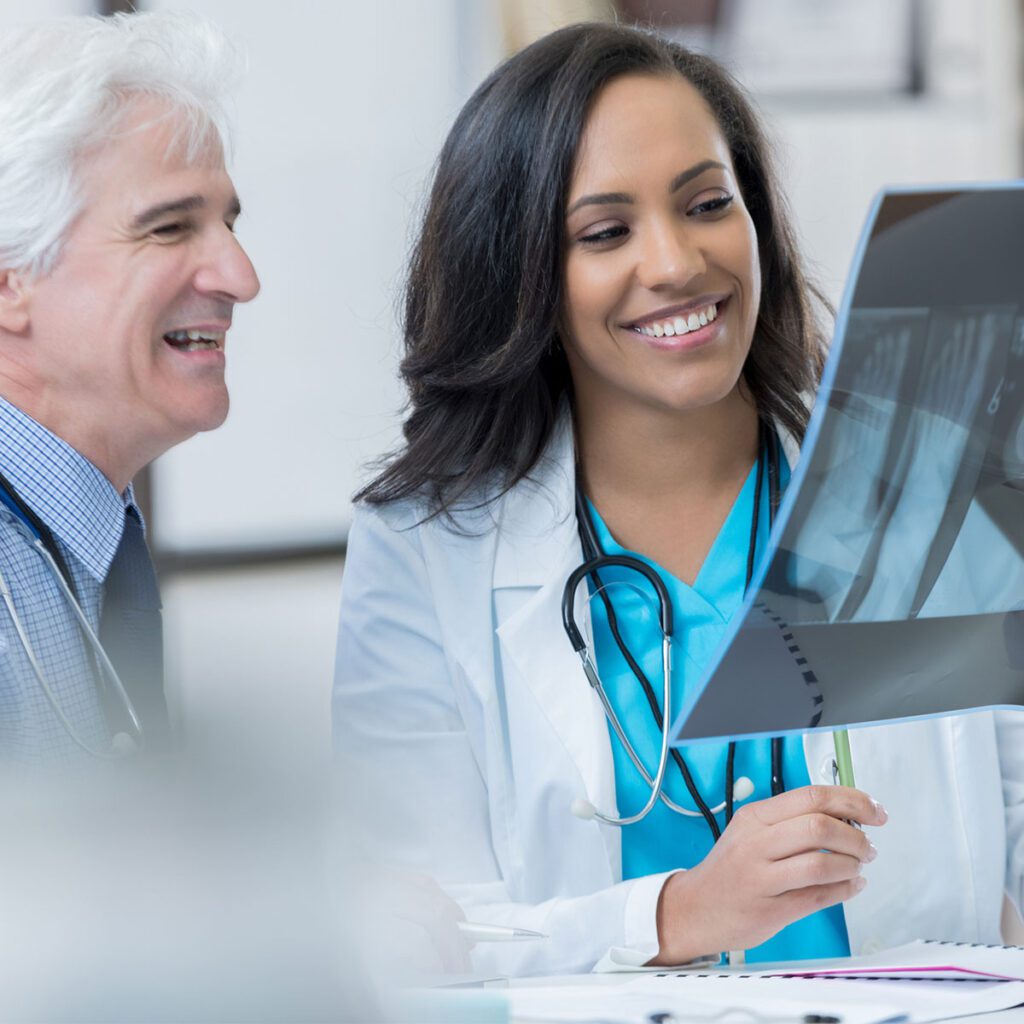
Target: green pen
844	760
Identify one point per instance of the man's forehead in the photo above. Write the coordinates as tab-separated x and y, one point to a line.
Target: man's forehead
151	155
135	175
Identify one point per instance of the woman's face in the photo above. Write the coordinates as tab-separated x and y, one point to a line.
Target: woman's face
662	280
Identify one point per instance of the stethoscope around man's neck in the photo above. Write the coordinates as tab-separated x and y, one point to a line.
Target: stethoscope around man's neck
40	539
594	561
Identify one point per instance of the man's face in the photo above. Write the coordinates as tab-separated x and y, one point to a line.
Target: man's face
125	344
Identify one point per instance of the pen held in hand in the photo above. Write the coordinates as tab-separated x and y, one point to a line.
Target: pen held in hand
477	932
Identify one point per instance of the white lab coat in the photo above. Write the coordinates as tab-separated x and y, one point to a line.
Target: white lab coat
472	729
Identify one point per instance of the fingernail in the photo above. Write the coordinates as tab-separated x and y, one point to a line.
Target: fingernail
872	853
882	813
859	882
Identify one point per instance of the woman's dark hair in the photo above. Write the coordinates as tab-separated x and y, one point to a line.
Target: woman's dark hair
483	364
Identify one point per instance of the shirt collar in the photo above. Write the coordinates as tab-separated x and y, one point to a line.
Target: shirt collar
79	505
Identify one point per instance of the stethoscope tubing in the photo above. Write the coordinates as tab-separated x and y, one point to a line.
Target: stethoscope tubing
594	561
657	783
119	747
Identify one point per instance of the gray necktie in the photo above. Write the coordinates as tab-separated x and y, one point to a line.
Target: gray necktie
131	632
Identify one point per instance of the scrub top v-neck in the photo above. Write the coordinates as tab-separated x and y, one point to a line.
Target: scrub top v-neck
664	840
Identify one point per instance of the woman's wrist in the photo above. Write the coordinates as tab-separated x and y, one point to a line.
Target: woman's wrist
682	927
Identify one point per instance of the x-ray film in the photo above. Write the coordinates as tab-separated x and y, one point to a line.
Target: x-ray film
894	583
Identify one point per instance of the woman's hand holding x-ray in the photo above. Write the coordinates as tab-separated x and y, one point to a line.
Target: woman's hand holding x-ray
778	861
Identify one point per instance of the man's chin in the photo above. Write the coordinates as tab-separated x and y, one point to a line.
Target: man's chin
201	419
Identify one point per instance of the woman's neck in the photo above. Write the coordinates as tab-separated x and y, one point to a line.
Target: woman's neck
651	453
664	481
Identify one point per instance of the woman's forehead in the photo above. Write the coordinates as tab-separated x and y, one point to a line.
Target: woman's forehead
638	118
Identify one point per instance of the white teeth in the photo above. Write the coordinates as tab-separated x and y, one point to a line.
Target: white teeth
191	335
680	324
194	341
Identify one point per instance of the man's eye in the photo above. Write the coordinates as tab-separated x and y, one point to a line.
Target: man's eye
169	230
604	234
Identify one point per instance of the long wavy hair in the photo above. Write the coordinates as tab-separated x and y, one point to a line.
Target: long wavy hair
484	368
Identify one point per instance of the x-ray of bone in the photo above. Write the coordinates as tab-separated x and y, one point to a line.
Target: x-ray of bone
894	587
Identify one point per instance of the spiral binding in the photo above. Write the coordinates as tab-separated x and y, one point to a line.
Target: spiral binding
972	945
809	678
860	977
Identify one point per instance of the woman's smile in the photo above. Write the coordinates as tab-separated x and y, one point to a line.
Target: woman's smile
683	326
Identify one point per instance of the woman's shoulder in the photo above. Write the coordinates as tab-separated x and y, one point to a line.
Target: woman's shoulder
427	515
494	505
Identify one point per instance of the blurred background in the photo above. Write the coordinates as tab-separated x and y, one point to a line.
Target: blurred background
344	109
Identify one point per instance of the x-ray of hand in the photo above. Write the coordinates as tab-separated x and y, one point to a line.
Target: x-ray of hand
852	492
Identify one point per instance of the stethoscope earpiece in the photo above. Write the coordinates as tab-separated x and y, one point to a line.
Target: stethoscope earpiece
742	789
583	809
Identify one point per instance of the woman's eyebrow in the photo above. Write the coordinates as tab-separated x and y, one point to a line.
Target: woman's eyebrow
608	198
705	165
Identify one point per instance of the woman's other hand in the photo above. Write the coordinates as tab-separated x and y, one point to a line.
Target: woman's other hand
778	861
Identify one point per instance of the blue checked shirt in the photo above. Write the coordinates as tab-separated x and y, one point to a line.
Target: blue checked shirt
85	514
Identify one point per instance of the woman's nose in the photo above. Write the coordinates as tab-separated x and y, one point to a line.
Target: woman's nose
669	258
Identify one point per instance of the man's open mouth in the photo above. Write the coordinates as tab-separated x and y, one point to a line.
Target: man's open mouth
195	341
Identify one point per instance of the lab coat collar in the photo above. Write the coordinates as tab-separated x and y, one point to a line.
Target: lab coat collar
537	517
537	548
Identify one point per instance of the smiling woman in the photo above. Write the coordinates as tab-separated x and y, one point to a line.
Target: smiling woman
609	346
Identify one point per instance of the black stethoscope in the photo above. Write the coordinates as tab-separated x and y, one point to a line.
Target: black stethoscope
41	540
594	560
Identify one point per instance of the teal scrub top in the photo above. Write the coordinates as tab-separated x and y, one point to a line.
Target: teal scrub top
665	840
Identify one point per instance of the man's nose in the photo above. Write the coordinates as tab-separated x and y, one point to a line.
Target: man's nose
228	272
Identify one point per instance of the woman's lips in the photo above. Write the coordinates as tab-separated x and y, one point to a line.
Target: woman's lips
692	337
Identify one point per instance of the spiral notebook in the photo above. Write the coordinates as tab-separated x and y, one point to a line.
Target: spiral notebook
926	958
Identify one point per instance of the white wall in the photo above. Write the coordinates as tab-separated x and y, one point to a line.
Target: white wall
13	12
339	120
839	151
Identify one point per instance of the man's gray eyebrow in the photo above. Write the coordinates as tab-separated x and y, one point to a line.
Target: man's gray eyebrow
187	204
610	198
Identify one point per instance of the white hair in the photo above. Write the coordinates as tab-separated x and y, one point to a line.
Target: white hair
64	87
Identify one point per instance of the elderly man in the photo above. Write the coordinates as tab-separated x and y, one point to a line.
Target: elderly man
119	271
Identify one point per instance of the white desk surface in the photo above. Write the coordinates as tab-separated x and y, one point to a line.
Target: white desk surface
1012	1016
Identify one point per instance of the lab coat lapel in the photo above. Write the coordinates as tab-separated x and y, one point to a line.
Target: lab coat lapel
537	549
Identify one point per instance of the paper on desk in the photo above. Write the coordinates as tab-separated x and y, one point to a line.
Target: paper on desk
924	958
624	1004
923	1000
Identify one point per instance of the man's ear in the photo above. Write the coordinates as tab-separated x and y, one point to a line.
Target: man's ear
14	301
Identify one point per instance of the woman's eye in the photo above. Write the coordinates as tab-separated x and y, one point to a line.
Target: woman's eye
604	234
717	204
